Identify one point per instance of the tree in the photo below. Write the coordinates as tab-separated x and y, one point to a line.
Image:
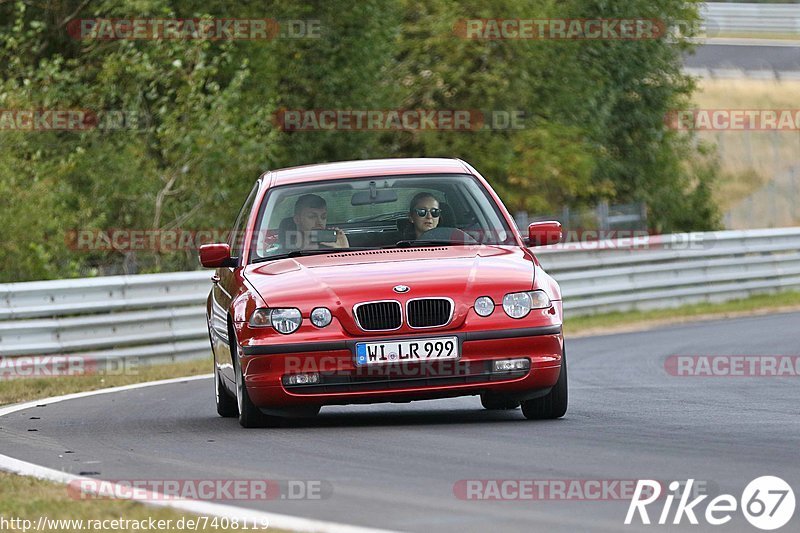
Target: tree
199	116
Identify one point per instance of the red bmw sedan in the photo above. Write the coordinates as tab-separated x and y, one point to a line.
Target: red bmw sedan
382	281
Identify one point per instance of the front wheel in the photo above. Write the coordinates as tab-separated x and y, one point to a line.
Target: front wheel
250	416
554	403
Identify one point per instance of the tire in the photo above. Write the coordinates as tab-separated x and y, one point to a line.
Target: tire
497	403
226	404
250	416
554	403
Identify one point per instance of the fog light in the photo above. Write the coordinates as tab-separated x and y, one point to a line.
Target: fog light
511	365
301	379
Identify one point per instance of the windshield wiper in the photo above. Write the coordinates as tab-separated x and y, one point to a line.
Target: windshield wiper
301	253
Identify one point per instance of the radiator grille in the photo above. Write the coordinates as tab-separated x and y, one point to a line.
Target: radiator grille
429	312
379	316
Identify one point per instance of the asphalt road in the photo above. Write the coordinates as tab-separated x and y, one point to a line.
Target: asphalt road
746	57
395	465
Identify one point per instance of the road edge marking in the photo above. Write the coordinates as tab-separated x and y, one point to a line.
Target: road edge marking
279	521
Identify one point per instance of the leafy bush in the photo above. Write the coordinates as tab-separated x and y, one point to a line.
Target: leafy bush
593	115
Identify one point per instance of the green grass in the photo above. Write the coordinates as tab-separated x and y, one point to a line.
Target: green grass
25	389
28	499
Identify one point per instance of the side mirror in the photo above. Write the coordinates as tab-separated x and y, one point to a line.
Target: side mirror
544	233
217	255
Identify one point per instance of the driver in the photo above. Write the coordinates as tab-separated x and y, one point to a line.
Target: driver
311	214
423	213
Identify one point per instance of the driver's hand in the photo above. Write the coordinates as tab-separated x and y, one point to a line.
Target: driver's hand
341	240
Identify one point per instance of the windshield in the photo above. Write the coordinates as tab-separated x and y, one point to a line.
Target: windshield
378	212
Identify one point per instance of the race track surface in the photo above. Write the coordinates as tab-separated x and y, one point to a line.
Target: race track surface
394	466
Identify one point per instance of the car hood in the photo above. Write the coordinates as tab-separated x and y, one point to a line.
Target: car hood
343	279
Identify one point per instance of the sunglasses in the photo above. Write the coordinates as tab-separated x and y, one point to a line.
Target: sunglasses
422	212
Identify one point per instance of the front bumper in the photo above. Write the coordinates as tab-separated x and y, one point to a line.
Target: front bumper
342	382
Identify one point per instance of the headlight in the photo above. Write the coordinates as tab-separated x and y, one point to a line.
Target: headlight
484	306
321	317
283	320
286	320
519	304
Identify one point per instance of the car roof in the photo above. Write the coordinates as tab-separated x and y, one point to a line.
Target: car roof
367	168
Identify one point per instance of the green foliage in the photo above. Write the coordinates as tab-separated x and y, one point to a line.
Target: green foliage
204	130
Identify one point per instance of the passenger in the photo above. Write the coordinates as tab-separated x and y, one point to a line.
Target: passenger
310	215
423	213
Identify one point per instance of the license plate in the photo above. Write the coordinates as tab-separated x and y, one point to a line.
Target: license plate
376	353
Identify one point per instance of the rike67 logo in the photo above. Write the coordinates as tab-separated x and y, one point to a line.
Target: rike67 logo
767	503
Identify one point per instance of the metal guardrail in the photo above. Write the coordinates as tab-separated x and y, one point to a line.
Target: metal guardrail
156	317
751	18
674	270
161	317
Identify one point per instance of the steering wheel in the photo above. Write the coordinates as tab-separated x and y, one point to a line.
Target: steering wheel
447	234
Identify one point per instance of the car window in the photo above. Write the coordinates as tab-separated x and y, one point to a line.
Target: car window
375	212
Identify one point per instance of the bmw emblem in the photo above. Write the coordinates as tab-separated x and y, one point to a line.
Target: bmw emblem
401	289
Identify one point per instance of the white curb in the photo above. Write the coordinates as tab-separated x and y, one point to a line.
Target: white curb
278	521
